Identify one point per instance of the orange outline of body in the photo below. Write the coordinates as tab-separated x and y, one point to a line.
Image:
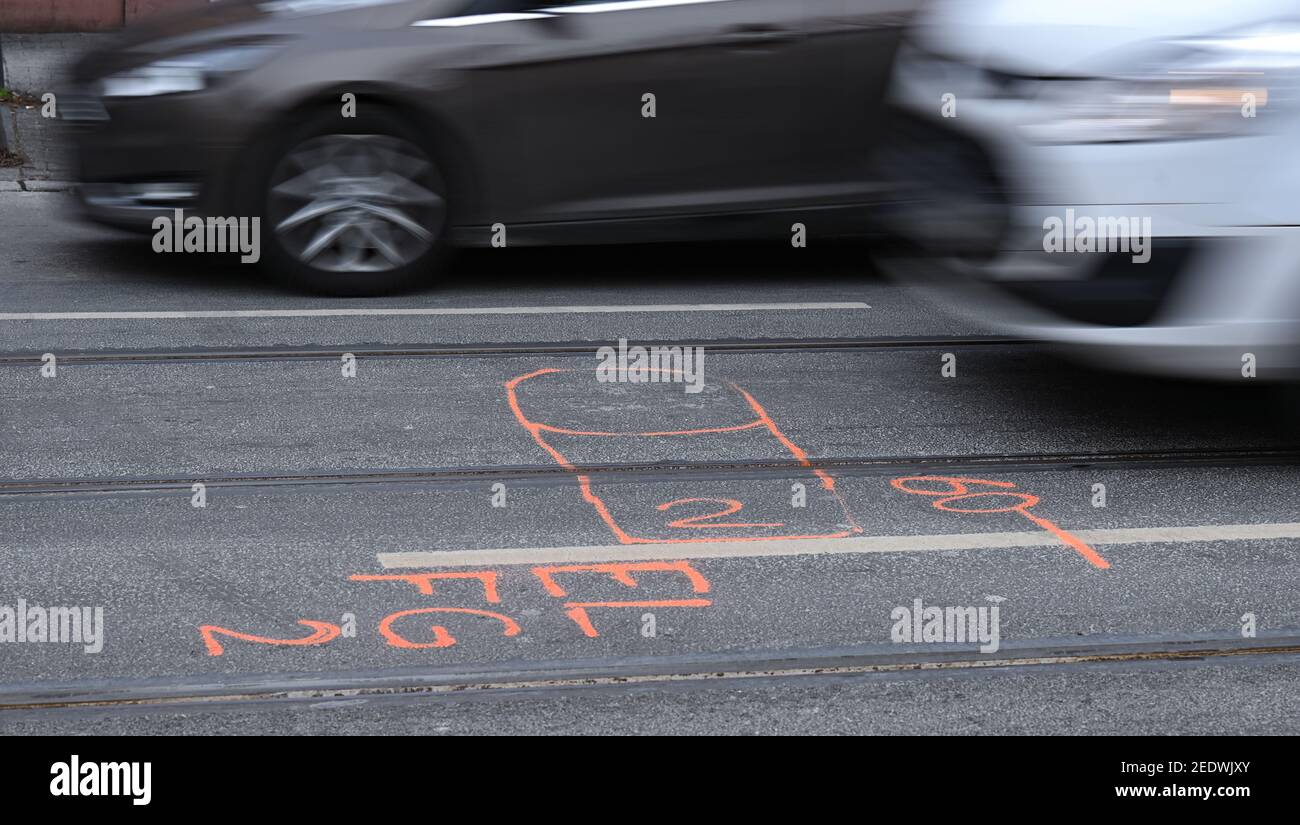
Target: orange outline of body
763	420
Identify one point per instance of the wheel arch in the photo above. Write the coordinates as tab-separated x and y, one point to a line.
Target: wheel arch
450	146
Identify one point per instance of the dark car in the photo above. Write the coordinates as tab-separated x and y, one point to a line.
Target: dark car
367	136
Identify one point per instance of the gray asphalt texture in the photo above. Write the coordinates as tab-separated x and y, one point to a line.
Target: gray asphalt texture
264	555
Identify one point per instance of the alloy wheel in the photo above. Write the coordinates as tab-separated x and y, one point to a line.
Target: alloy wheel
356	203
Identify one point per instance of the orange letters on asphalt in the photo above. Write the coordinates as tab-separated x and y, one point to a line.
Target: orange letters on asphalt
621	572
424	581
441	636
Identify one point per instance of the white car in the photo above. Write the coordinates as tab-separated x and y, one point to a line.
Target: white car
1165	134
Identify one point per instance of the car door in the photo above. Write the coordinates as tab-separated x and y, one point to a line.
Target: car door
591	110
844	63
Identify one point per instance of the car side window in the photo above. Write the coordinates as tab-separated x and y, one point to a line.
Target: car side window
498	7
612	5
477	7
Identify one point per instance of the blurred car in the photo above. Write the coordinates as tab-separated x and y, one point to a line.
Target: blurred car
487	121
1173	121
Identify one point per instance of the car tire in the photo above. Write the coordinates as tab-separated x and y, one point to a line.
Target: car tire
352	206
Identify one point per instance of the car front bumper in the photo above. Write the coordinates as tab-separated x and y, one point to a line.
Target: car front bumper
1235	285
136	159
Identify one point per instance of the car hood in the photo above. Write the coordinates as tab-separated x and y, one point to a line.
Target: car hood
248	21
1078	37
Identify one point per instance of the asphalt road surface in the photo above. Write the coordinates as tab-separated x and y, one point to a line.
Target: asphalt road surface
473	534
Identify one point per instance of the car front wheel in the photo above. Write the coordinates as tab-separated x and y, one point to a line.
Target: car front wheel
356	209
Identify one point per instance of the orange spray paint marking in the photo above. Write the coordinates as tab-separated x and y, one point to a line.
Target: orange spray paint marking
578	610
762	421
960	491
441	636
322	632
424	581
730	505
621	573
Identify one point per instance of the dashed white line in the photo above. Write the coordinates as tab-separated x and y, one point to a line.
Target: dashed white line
831	547
150	315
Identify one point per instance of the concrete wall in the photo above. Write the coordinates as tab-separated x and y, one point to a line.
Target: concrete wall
81	15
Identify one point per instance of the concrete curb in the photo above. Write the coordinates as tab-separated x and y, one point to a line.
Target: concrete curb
8	135
37	63
46	161
31	185
42	186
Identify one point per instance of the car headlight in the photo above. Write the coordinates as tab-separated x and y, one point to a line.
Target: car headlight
184	73
1202	87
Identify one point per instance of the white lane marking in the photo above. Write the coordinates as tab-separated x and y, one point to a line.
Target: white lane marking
831	547
367	311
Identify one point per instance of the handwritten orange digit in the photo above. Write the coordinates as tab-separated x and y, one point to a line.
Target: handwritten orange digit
730	505
322	632
960	491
